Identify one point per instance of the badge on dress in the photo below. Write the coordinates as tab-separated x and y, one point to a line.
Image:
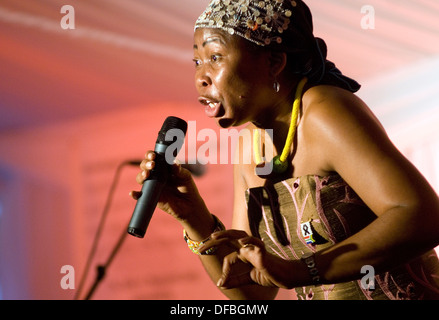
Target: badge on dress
307	232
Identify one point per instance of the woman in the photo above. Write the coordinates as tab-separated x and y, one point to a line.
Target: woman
340	197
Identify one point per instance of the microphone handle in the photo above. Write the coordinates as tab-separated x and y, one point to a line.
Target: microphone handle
151	191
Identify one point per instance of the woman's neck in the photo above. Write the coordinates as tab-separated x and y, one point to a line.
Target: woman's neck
277	117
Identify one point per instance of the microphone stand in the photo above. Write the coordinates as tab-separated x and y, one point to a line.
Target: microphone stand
102	268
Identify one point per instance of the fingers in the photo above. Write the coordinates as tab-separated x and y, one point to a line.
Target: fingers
244	264
235	273
241	267
146	166
150	155
148	163
252	251
135	194
249	244
226	237
231	234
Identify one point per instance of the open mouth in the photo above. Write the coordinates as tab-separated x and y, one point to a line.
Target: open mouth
212	107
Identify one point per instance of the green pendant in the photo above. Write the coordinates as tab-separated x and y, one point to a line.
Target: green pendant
278	165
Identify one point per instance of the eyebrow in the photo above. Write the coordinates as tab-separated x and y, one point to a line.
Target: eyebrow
210	40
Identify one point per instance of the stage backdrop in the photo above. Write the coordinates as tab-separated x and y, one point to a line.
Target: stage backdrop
77	103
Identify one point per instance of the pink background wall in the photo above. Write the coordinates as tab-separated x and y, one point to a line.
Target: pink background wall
75	105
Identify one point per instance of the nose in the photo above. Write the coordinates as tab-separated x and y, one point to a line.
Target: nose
202	80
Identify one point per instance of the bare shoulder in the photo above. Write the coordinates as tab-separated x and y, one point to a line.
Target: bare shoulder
330	104
355	145
338	123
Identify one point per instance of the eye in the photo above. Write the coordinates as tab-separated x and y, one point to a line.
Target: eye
215	57
197	62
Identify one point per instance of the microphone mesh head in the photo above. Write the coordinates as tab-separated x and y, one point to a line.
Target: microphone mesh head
171	123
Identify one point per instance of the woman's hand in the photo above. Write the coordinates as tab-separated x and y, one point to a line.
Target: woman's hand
180	197
249	263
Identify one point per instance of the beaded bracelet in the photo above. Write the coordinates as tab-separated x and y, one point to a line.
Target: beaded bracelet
194	245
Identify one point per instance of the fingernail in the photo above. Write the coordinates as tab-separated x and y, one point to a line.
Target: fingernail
220	282
215	234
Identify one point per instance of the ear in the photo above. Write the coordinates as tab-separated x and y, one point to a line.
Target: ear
278	61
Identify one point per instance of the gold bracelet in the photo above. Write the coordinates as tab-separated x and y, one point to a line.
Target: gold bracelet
194	245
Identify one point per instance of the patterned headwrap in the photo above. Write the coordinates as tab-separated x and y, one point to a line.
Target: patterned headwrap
283	25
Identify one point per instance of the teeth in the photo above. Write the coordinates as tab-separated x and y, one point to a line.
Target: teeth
211	104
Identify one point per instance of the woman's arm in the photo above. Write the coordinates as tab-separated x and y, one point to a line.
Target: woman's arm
214	264
182	201
345	133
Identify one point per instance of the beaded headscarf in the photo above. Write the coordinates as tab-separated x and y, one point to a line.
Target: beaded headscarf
283	25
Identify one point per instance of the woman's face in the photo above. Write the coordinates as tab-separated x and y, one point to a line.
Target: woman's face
233	81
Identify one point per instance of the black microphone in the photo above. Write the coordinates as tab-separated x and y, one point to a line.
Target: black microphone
196	169
169	141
